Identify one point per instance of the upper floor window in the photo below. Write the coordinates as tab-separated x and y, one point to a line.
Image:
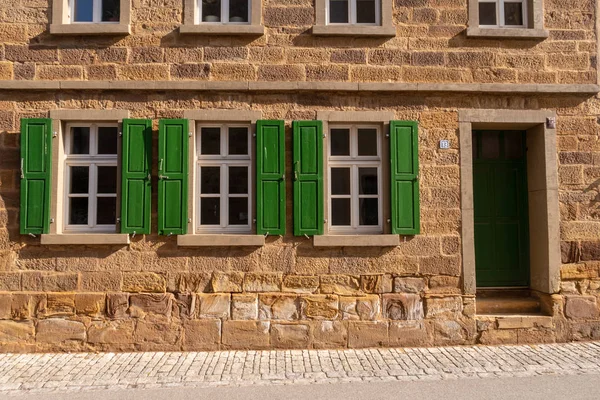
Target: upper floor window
95	10
503	13
224	11
354	12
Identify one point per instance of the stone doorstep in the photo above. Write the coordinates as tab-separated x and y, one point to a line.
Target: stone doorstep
507	305
518	321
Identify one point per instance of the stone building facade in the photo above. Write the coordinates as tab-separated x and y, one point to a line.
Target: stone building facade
160	70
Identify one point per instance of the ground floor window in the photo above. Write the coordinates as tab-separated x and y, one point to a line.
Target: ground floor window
503	13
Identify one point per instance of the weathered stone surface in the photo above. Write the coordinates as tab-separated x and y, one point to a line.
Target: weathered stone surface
117	305
201	335
90	304
144	282
345	285
111	332
449	333
262	282
409	285
278	307
57	330
290	336
244	306
319	307
376	283
245	334
367	334
25	306
142	304
439	307
366	308
330	334
13	331
5	305
214	305
157	331
185	305
409	334
60	304
402	306
300	284
495	337
581	307
227	282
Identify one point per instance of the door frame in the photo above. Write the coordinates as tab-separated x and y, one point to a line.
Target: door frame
542	178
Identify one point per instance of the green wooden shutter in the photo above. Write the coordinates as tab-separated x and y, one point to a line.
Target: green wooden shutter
172	176
270	177
36	167
404	158
136	182
308	177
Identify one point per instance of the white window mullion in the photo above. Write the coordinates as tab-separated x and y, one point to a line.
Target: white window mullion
224	195
500	13
97	11
225	11
92	195
352	11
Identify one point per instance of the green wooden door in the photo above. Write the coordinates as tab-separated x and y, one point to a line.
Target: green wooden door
501	209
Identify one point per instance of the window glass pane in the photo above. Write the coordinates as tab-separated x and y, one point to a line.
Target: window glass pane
211	10
80	140
107	139
84	11
210	211
340	142
367	142
238	10
369	211
340	180
80	178
365	11
238	211
238	180
490	144
487	14
111	10
107	180
107	211
367	180
513	144
513	13
210	141
338	11
210	180
238	141
340	212
78	211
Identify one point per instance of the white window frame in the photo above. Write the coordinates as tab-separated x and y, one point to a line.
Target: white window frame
93	160
352	14
96	16
224	161
501	23
354	162
224	14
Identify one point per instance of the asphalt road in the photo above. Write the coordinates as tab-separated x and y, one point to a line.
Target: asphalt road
571	387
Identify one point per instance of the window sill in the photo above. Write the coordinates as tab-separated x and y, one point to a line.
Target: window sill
356	241
90	29
516	33
220	240
223	29
354	30
86	239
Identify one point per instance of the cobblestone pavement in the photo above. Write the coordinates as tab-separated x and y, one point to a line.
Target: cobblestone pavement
42	373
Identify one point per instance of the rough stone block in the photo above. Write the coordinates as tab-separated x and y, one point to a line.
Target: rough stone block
381	283
100	281
409	285
262	282
438	307
581	307
300	284
142	304
363	334
10	281
409	334
185	305
144	282
449	333
578	271
201	335
495	337
59	330
402	307
281	73
25	306
278	307
290	336
367	308
345	285
13	331
444	284
90	304
244	306
5	305
158	331
117	305
60	304
111	332
319	307
227	282
190	71
214	305
330	334
443	265
245	334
